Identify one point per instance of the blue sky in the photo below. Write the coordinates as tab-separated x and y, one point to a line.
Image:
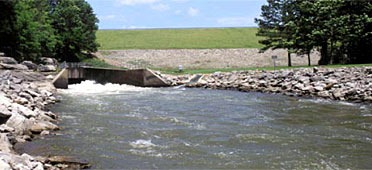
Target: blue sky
135	14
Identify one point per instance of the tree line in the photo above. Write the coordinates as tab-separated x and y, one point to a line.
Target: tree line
61	29
341	30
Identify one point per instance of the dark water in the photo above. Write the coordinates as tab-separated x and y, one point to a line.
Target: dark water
135	128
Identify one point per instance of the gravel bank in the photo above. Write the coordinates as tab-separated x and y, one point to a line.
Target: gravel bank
24	95
203	58
345	84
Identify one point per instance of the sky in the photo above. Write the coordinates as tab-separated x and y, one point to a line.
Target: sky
147	14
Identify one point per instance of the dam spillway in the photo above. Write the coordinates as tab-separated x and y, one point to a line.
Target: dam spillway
138	77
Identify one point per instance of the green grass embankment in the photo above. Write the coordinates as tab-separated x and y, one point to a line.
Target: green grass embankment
98	63
178	38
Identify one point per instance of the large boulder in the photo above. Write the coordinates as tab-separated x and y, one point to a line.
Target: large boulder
4	114
49	61
47	68
20	123
4	165
8	60
5	145
40	126
24	162
30	65
13	66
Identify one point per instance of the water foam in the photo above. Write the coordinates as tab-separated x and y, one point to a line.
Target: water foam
91	87
141	144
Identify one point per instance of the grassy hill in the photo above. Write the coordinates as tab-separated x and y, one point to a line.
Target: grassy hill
178	38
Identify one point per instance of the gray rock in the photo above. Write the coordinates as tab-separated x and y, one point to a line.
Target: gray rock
350	84
262	83
318	88
24	111
44	133
30	65
324	94
316	79
307	88
8	60
21	100
20	123
13	66
4	165
4	113
49	61
40	126
338	94
32	93
47	68
4	128
5	145
303	79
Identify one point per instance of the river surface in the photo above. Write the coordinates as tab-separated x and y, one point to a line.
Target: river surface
128	127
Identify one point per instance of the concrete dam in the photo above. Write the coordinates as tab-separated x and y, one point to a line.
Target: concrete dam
139	77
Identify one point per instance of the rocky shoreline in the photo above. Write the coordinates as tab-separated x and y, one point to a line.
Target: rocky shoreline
24	95
352	84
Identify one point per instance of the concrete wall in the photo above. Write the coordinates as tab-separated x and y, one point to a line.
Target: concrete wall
131	77
141	77
61	80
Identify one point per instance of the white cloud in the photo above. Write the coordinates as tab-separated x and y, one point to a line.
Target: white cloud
236	21
193	11
178	12
180	1
160	7
106	17
111	17
132	27
136	2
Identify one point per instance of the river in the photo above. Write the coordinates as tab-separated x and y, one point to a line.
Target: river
120	126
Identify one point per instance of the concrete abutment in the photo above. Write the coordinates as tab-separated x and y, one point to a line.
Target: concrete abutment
140	77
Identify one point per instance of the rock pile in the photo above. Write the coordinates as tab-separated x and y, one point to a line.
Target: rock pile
23	97
346	84
47	64
203	58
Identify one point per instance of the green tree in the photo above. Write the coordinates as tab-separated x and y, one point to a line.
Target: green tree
340	29
356	38
301	29
34	34
75	25
274	18
7	33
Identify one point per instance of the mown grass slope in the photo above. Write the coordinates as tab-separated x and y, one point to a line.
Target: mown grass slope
178	38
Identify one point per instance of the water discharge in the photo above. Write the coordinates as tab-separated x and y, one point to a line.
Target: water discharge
120	126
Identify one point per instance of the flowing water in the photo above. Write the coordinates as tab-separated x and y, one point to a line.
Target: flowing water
115	126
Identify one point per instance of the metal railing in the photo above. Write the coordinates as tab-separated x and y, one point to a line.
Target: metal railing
74	65
130	66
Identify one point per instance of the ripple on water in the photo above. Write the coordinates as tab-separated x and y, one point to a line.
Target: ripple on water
212	129
141	143
258	138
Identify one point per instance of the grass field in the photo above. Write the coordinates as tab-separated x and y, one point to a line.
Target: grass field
178	39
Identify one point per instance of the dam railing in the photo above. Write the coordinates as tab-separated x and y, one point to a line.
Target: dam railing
74	65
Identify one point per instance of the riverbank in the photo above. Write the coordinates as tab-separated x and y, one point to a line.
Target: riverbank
24	96
345	84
